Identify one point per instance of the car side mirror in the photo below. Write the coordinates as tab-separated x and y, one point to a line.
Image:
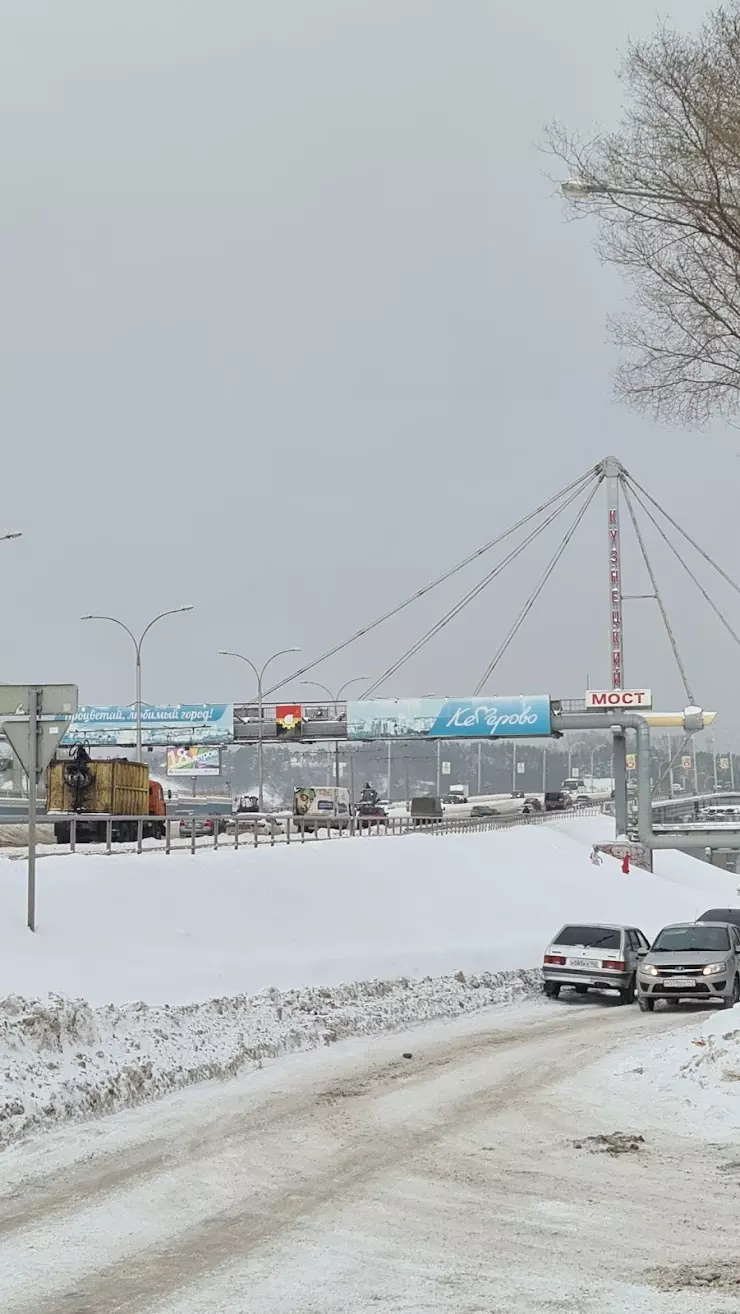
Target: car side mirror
642	952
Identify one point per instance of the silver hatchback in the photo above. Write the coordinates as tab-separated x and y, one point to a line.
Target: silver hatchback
691	960
594	956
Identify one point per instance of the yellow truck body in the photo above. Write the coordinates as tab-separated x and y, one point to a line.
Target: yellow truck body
118	787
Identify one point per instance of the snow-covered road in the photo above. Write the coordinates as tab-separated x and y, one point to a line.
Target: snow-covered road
355	1179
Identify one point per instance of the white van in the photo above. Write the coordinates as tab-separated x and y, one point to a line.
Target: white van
321	805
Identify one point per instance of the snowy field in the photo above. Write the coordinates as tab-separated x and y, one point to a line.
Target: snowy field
186	928
150	973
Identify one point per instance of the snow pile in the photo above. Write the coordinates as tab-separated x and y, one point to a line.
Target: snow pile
689	1079
63	1059
182	928
241	955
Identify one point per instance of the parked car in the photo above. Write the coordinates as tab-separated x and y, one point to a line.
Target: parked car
594	956
557	800
731	915
692	960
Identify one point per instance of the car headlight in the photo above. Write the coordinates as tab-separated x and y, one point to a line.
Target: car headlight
712	969
649	970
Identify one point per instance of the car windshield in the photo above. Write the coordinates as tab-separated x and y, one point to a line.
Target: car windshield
692	939
591	937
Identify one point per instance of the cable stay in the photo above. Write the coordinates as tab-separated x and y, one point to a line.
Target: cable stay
717	610
638	487
538	589
575	487
656	590
478	588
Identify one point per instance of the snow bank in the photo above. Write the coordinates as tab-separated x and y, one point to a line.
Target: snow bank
182	928
62	1059
687	1079
240	955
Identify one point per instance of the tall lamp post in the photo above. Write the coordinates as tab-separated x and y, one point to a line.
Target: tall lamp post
259	673
356	679
113	620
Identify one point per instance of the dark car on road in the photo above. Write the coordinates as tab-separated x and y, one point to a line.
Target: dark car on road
369	814
556	800
731	915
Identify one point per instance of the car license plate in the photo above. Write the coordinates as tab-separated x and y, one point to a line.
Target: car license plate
679	982
583	962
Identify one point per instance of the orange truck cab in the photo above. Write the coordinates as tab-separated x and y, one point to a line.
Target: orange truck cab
156	799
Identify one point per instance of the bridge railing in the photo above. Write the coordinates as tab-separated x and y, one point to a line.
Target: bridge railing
192	832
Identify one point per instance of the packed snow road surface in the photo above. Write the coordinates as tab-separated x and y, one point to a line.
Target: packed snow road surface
358	1180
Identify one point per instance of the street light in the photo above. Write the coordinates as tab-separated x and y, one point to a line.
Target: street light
222	652
579	189
357	679
174	611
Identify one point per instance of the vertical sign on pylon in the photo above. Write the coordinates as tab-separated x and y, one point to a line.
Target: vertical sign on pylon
616	643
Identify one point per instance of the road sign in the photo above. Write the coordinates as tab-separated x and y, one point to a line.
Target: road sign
53	699
520	768
446	768
606	698
48	735
686	763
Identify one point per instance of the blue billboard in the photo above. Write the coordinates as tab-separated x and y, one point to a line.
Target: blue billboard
499	717
161	724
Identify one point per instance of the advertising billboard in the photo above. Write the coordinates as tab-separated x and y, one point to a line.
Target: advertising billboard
193	760
161	724
507	717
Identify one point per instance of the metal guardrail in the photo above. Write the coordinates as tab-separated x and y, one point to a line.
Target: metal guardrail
246	831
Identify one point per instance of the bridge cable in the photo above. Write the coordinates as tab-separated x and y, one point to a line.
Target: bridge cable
536	592
478	588
717	610
637	486
578	484
656	591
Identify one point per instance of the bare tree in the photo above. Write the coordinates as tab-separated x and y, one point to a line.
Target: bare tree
665	187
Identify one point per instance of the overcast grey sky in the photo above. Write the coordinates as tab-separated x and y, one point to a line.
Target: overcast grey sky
291	320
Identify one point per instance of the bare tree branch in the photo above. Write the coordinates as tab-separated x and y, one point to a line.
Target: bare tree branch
667	200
